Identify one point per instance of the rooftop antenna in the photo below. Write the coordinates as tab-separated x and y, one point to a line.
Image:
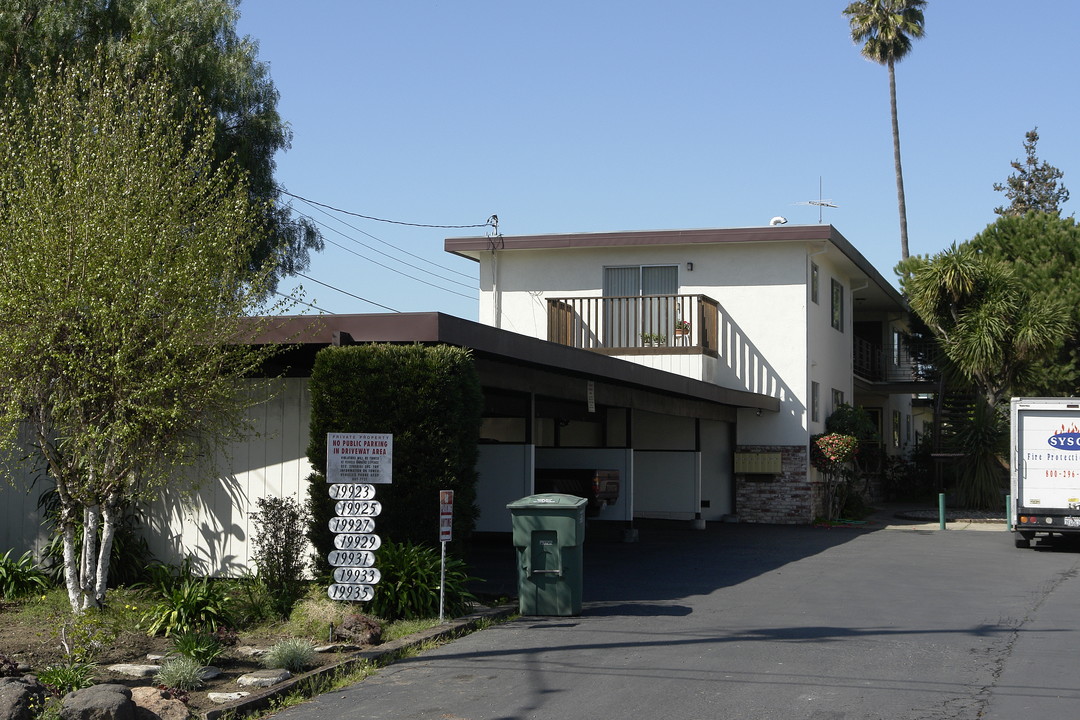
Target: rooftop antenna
819	202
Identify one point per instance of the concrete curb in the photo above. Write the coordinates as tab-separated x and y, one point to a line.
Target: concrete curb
381	655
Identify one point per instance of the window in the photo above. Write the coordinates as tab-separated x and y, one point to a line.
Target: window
815	402
896	428
838	306
837	398
627	320
907	434
813	282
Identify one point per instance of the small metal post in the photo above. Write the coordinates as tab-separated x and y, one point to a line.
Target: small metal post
941	511
442	585
1008	512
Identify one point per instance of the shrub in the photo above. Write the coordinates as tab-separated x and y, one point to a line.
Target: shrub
294	655
192	605
429	399
250	601
182	673
279	549
202	647
20	577
84	635
62	679
409	587
315	613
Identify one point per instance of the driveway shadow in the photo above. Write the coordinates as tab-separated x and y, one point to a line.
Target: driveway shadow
670	561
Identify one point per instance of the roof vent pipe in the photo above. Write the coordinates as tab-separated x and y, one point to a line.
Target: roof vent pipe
778	220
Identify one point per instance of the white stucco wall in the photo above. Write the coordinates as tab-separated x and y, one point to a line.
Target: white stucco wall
762	291
829	349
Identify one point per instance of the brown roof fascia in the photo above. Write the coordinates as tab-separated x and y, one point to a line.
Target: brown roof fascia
469	246
507	346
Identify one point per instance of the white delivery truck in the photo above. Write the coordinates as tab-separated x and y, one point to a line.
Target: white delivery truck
1045	468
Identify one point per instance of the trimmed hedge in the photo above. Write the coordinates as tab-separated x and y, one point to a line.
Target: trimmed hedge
429	398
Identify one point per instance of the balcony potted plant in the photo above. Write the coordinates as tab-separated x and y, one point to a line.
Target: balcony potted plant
682	327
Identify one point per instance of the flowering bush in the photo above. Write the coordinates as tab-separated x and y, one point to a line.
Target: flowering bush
831	450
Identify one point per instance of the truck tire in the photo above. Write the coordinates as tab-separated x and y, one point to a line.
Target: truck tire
1022	541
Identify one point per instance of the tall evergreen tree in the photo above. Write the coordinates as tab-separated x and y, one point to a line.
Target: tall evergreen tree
1034	187
196	43
1043	252
886	29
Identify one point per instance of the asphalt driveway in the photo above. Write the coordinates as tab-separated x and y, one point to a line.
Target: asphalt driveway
754	621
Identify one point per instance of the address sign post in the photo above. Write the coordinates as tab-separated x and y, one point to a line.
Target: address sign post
355	464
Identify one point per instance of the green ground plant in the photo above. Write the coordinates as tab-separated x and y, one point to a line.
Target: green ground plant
202	647
60	679
191	605
21	577
182	673
409	587
295	655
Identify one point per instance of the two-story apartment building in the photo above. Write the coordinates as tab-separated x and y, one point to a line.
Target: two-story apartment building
677	374
791	312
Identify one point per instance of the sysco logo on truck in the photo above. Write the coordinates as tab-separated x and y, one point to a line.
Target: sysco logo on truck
1065	439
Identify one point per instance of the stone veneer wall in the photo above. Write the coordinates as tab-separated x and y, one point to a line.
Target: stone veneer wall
790	498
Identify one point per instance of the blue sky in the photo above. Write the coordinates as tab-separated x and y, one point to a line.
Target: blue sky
606	115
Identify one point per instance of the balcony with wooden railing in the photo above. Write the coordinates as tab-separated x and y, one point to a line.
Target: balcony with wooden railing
636	325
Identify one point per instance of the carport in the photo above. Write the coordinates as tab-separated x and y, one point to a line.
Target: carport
561	418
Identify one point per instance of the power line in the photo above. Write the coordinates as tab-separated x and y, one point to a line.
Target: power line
393	222
296	300
346	292
384	242
388	255
387	267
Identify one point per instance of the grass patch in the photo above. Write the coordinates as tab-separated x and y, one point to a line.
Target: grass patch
404	628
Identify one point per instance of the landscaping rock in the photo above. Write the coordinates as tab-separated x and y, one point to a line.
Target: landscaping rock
134	669
250	651
209	672
360	629
155	704
263	678
98	702
18	695
222	698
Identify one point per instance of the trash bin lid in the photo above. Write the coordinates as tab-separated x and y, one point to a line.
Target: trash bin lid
548	500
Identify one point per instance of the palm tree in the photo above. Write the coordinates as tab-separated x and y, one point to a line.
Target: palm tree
887	28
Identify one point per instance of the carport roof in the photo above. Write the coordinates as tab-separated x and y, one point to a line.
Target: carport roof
308	334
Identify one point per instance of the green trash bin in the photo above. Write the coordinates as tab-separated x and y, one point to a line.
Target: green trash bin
549	530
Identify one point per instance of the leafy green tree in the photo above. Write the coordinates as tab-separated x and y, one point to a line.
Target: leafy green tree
196	43
1034	187
1043	251
989	326
886	29
125	281
992	333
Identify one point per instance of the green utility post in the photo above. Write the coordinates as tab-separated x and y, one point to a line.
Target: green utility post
941	511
